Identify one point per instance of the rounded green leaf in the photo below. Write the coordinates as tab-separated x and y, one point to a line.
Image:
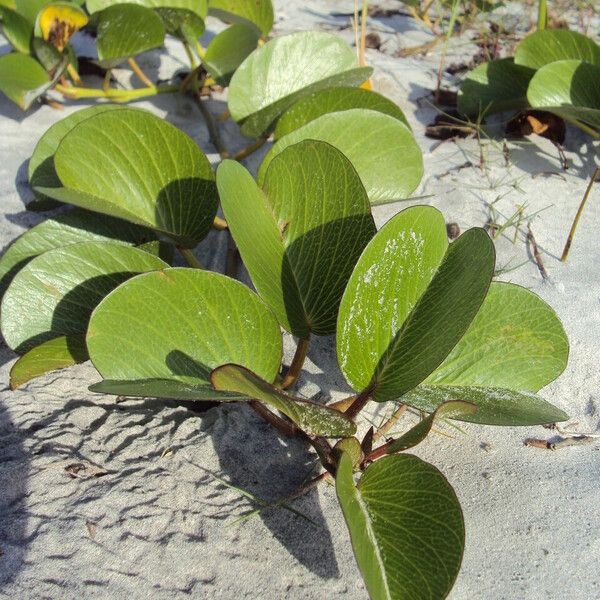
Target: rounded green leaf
16	29
41	164
494	86
22	79
549	45
312	418
55	354
56	292
258	13
126	30
285	70
381	149
335	100
409	301
228	49
30	8
515	346
182	24
406	527
300	236
135	166
571	90
70	227
176	326
197	6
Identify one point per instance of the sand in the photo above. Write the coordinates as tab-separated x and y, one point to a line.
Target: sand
150	517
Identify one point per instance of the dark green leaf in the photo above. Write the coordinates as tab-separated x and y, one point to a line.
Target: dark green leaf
55	354
70	227
310	417
179	325
409	301
406	527
285	70
22	79
55	293
258	13
381	149
16	29
335	100
301	237
135	166
197	6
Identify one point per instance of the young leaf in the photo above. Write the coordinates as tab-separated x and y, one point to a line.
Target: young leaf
228	49
310	417
515	346
55	354
69	227
56	292
406	527
300	236
494	86
197	6
135	166
569	89
285	70
409	300
335	100
22	79
164	332
547	46
16	29
126	30
381	148
415	435
41	164
258	13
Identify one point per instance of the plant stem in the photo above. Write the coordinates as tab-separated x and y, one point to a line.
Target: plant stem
248	150
305	488
297	362
578	215
542	21
114	95
139	72
213	128
359	403
280	424
379	452
190	258
385	428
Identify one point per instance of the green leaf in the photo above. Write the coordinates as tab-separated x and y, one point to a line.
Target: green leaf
182	24
22	79
197	6
409	301
178	325
41	164
494	86
312	418
16	29
406	527
56	292
55	354
126	30
300	236
515	346
415	435
547	46
69	227
228	49
133	165
285	70
30	8
571	90
258	13
381	148
335	100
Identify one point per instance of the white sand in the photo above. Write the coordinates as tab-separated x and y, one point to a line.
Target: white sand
158	525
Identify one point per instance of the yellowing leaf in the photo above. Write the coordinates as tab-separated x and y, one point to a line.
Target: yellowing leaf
58	22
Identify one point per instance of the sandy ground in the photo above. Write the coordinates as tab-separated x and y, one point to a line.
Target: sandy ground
160	524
